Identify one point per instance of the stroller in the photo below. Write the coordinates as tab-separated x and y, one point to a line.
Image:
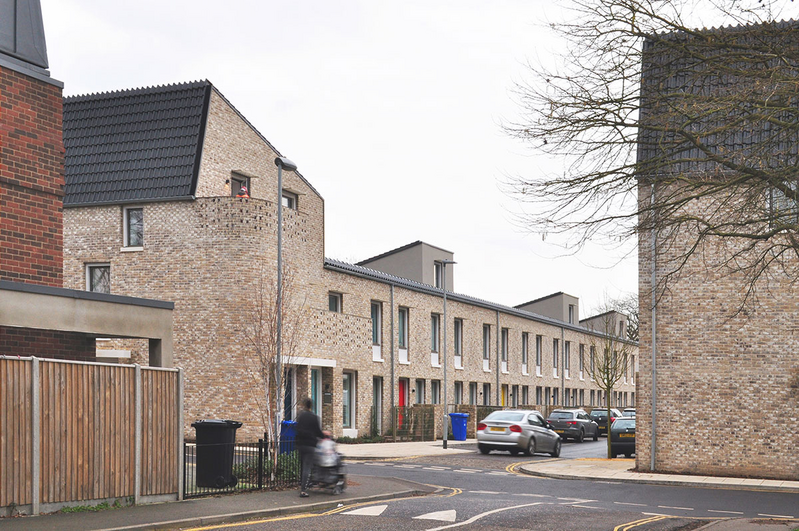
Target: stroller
328	470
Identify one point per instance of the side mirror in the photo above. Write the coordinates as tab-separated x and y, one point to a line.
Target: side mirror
550	426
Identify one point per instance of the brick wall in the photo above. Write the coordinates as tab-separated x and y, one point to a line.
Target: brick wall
46	344
31	180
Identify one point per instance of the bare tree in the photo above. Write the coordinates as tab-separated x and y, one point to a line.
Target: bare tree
627	305
686	134
259	330
609	357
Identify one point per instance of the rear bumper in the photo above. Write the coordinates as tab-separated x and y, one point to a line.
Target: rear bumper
622	447
504	442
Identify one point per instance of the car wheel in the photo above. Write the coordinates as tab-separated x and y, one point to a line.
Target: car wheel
596	435
515	451
581	437
612	455
556	451
483	450
628	456
531	447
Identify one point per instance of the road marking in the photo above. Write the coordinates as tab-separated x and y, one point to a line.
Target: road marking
374	464
482	515
498	473
636	523
677	508
483	492
724	512
467	471
437	469
633	504
775	515
533	495
374	510
444	516
407	466
587	507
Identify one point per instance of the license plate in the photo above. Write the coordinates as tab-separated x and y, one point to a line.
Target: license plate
627	435
497	429
559	431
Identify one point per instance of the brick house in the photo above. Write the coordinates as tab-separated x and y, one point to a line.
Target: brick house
719	387
38	317
151	208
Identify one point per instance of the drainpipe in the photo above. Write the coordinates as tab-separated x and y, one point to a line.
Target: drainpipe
653	437
562	365
499	401
391	311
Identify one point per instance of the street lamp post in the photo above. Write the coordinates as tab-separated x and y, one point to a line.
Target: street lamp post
444	264
281	163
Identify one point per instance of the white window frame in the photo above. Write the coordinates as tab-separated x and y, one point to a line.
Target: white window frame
289	200
504	340
567	354
486	348
377	330
403	334
555	354
88	269
458	340
126	229
339	301
539	347
525	353
582	361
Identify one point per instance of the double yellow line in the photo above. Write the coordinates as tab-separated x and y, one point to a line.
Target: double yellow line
630	525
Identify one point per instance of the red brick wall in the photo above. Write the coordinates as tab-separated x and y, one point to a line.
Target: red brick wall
46	344
31	180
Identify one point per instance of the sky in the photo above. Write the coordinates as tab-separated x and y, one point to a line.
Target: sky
392	110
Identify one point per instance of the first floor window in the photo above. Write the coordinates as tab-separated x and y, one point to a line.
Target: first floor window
459	337
377	322
98	278
435	328
134	227
239	185
289	200
504	343
524	349
403	327
334	302
486	341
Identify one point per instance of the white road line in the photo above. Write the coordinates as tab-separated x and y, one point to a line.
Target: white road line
481	515
466	471
677	508
483	492
471	470
587	507
407	466
633	504
435	468
533	495
374	464
724	512
775	515
374	510
444	516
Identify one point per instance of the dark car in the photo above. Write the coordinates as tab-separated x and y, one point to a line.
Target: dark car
622	437
517	431
573	424
600	416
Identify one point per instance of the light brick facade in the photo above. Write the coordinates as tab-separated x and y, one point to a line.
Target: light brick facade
209	254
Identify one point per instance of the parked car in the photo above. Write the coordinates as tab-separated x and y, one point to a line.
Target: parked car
573	424
600	416
517	431
622	437
628	412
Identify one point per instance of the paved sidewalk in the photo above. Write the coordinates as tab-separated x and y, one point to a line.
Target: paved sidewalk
217	509
621	470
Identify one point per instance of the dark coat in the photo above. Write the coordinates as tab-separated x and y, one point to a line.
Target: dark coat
308	430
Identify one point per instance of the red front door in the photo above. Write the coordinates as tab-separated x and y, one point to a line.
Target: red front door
403	393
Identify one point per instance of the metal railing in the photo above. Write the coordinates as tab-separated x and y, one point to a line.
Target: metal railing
413	423
253	468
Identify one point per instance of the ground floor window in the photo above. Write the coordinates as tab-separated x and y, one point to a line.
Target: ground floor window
525	394
538	393
486	394
473	394
419	391
435	392
458	398
348	400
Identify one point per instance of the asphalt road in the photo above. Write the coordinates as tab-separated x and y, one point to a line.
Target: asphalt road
477	492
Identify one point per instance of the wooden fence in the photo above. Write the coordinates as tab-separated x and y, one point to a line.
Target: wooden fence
87	432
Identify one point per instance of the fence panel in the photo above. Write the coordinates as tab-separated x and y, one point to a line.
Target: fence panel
16	413
413	423
159	467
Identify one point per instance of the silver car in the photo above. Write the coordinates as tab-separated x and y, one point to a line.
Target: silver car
517	431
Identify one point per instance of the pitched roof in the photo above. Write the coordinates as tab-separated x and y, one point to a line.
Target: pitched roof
134	145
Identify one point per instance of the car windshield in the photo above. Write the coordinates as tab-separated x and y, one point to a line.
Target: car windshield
506	415
561	415
623	424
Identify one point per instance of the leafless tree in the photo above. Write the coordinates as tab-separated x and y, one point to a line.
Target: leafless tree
259	331
672	131
627	305
609	357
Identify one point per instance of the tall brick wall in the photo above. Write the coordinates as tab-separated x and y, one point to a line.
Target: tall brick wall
46	344
738	371
31	180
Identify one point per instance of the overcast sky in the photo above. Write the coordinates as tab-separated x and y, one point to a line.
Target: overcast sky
392	110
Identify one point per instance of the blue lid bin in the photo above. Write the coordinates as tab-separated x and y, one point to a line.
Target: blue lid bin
458	421
288	435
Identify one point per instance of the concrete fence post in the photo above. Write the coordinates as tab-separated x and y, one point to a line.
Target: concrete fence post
179	442
137	437
36	437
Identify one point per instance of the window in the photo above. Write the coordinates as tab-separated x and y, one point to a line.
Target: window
625	371
348	400
435	392
334	302
486	342
438	278
458	398
486	394
555	358
592	398
289	200
621	329
134	227
538	393
237	182
582	360
403	328
592	362
98	278
525	342
782	209
458	343
539	341
435	331
566	358
504	345
582	398
571	313
555	399
632	369
473	393
525	394
377	323
420	391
